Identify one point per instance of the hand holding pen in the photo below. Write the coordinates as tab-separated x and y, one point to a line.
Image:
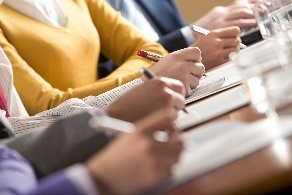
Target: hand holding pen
152	95
216	45
150	75
184	65
205	32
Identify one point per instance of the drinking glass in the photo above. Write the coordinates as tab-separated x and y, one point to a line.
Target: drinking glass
259	66
280	19
262	9
281	22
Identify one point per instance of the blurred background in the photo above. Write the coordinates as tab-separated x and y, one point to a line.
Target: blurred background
193	9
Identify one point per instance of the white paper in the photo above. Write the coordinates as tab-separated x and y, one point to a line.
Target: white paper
215	81
212	107
226	147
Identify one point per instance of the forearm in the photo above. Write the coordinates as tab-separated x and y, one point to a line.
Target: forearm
45	118
91	102
72	140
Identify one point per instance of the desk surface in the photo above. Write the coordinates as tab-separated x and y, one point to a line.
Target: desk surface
268	170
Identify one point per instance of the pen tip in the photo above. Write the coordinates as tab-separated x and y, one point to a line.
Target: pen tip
185	110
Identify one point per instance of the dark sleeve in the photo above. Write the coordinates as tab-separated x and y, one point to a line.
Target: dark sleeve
173	41
68	141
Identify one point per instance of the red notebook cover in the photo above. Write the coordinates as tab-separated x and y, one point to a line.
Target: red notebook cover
3	104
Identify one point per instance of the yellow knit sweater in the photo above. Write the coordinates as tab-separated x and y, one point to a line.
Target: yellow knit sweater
51	64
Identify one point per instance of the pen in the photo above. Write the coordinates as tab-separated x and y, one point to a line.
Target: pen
205	32
114	126
151	56
149	74
111	124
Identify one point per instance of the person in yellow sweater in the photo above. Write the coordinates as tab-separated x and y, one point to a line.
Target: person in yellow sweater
54	48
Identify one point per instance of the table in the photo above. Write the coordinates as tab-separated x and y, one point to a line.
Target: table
268	170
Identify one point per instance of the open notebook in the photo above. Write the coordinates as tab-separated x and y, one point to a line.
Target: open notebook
212	107
216	81
213	146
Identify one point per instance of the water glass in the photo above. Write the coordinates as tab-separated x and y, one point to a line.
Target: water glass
281	19
278	89
262	9
257	65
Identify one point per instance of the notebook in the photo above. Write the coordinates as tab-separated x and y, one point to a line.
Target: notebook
232	142
217	80
212	107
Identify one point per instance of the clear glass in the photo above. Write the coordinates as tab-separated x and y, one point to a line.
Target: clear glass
278	84
278	89
260	66
262	9
281	20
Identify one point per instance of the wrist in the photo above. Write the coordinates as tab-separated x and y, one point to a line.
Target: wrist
99	181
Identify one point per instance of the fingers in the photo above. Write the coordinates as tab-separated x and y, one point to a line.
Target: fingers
227	51
191	80
172	92
198	70
227	32
230	43
170	152
174	85
243	23
226	37
159	120
243	18
166	154
240	14
182	65
187	54
243	11
174	100
253	1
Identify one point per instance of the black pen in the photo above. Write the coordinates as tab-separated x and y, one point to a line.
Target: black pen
149	74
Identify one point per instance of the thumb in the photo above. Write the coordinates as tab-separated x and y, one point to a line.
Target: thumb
159	120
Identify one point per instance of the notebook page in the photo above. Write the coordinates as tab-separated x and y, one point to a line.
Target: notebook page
212	107
224	148
192	139
215	81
